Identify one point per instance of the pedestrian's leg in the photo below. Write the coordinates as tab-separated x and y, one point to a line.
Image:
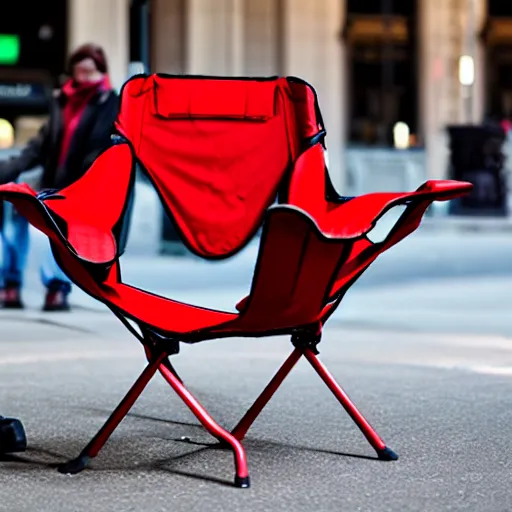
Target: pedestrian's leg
4	253
57	284
15	239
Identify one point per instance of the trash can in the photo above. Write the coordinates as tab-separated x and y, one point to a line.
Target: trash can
476	155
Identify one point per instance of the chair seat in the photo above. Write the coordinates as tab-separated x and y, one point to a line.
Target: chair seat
292	286
181	132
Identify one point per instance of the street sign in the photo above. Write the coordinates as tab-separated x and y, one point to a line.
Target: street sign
9	49
23	93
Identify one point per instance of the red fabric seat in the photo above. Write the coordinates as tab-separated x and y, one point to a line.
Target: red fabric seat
219	152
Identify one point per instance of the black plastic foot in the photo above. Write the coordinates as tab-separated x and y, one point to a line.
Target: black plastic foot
387	454
12	436
74	466
242	482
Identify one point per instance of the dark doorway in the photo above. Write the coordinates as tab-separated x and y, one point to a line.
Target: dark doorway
381	38
139	32
497	36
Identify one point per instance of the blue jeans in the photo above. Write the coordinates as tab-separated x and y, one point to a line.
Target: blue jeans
15	245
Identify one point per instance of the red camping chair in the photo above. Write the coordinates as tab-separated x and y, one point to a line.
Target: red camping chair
219	151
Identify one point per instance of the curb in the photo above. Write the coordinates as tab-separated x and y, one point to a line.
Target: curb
471	224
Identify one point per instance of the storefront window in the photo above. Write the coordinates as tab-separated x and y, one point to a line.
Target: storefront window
497	35
382	67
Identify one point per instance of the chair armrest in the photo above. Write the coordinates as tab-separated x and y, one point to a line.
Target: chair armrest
92	244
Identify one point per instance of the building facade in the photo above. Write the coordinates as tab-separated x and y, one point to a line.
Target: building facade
373	63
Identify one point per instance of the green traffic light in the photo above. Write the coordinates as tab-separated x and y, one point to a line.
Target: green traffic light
9	49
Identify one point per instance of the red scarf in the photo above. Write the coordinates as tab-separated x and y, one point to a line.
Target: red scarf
78	96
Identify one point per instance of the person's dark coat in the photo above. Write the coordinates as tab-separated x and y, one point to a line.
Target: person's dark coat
90	139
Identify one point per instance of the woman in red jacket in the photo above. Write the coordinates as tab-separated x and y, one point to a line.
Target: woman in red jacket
77	131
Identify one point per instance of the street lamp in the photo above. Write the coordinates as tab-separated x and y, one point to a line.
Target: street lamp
466	80
466	70
401	135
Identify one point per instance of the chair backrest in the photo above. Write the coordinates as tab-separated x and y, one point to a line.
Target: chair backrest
217	149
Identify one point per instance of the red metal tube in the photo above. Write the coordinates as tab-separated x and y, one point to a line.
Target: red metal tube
368	431
122	409
242	472
250	416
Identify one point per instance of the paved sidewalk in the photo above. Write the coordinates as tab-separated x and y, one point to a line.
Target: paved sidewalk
473	306
428	361
431	281
429	396
453	223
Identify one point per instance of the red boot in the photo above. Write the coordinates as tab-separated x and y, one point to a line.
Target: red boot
57	296
11	298
56	301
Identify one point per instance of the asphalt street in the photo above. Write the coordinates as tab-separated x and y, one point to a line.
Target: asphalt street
422	344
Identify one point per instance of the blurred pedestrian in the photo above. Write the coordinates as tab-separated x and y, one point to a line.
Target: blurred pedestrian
78	129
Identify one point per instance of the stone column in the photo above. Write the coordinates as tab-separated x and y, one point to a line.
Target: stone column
262	37
479	92
104	22
168	49
443	39
214	37
312	50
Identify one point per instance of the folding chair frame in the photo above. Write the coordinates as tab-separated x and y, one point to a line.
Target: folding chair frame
305	344
323	232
